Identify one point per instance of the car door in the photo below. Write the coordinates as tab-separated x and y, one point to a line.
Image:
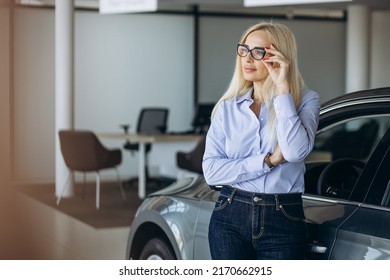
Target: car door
365	234
334	169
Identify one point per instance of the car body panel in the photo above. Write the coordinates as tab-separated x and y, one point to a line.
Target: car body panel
323	218
362	237
201	243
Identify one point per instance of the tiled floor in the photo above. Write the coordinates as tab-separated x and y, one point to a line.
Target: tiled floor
32	230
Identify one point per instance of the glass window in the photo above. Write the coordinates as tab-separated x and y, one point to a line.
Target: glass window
353	139
340	153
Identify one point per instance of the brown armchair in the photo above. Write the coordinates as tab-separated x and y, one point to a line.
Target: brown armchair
192	161
83	152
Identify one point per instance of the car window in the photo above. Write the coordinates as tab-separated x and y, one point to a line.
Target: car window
379	192
354	138
340	153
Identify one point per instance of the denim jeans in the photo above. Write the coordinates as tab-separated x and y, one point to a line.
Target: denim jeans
246	225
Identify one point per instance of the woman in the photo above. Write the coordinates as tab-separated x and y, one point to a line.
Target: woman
262	129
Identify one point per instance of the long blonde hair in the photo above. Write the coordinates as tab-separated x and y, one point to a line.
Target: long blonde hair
283	39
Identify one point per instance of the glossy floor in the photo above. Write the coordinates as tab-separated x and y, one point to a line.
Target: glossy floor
32	230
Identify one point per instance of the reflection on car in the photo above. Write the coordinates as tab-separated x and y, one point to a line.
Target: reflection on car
346	199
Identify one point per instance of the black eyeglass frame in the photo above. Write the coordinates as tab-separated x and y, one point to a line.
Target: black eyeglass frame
250	51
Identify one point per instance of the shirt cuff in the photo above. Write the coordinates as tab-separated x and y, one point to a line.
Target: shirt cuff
257	165
284	106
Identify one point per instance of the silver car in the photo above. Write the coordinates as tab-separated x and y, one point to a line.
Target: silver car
346	199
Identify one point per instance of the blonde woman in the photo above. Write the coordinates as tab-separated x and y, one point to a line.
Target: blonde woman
262	129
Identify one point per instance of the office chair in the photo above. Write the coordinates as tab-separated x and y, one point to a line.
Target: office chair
82	151
150	121
201	120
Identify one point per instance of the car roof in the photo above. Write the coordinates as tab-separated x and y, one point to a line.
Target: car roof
369	95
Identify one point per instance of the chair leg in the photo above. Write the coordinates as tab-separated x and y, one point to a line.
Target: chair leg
120	185
64	189
83	195
97	190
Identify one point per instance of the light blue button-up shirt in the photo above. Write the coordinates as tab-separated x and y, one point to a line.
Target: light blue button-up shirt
235	148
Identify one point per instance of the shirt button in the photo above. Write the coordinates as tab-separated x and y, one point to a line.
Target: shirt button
257	153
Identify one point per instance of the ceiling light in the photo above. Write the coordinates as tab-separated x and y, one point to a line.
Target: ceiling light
252	3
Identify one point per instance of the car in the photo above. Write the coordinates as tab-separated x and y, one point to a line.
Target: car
346	200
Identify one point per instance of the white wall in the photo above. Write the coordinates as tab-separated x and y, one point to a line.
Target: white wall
34	94
126	62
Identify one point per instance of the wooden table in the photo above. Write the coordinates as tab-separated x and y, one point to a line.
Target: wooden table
142	140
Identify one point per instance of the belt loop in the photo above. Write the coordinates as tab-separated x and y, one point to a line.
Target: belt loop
230	198
277	201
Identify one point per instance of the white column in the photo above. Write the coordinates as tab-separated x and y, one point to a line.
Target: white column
358	46
380	46
63	86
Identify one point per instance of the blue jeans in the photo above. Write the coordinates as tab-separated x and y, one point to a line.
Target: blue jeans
246	225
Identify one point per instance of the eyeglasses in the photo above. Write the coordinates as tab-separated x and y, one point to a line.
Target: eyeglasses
256	53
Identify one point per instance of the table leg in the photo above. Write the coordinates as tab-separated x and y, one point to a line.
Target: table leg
141	171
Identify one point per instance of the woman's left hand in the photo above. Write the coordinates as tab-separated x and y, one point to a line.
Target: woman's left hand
278	67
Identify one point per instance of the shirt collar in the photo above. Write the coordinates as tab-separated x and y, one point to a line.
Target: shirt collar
246	96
